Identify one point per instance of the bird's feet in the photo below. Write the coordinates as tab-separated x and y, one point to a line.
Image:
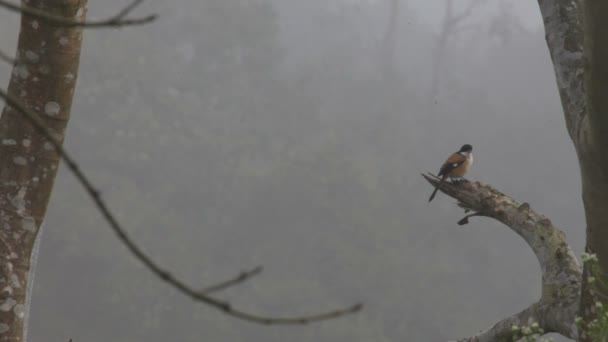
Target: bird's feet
457	180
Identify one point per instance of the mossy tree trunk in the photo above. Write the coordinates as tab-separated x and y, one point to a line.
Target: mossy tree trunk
593	145
576	33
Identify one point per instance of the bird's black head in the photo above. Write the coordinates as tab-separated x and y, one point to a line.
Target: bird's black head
466	148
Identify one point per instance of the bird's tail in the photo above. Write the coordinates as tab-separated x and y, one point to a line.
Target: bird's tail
437	188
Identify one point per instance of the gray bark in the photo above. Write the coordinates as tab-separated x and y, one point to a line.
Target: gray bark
583	84
592	145
557	308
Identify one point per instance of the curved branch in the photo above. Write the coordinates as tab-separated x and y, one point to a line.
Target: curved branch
561	273
121	233
503	330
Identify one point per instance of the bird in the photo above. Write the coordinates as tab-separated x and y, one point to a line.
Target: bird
455	166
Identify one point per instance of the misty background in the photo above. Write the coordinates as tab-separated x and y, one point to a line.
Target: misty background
292	134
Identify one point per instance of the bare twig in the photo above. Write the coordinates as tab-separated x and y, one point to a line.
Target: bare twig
465	220
115	21
161	273
127	10
240	278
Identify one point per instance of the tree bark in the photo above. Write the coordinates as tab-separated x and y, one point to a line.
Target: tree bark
43	79
557	308
583	83
593	149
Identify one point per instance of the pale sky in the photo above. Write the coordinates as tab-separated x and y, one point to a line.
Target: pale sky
432	10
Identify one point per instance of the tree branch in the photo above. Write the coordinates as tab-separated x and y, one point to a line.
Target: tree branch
503	330
125	11
115	21
240	278
121	233
561	273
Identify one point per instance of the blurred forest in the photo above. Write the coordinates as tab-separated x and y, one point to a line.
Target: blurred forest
232	133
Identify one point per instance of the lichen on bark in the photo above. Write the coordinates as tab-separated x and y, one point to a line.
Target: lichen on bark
45	54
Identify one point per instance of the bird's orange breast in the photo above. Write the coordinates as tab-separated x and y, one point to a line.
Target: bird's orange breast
461	169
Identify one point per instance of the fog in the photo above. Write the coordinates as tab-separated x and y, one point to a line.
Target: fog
292	134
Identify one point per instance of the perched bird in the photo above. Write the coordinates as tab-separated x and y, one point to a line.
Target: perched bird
455	166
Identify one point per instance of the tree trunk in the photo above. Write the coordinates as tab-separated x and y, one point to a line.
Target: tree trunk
43	79
582	77
581	72
593	151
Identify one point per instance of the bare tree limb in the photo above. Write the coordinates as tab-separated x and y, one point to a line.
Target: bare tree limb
465	220
240	278
115	21
561	274
122	235
503	330
39	125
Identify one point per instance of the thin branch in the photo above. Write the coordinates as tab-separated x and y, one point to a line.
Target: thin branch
240	278
127	10
561	273
114	21
121	233
465	220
